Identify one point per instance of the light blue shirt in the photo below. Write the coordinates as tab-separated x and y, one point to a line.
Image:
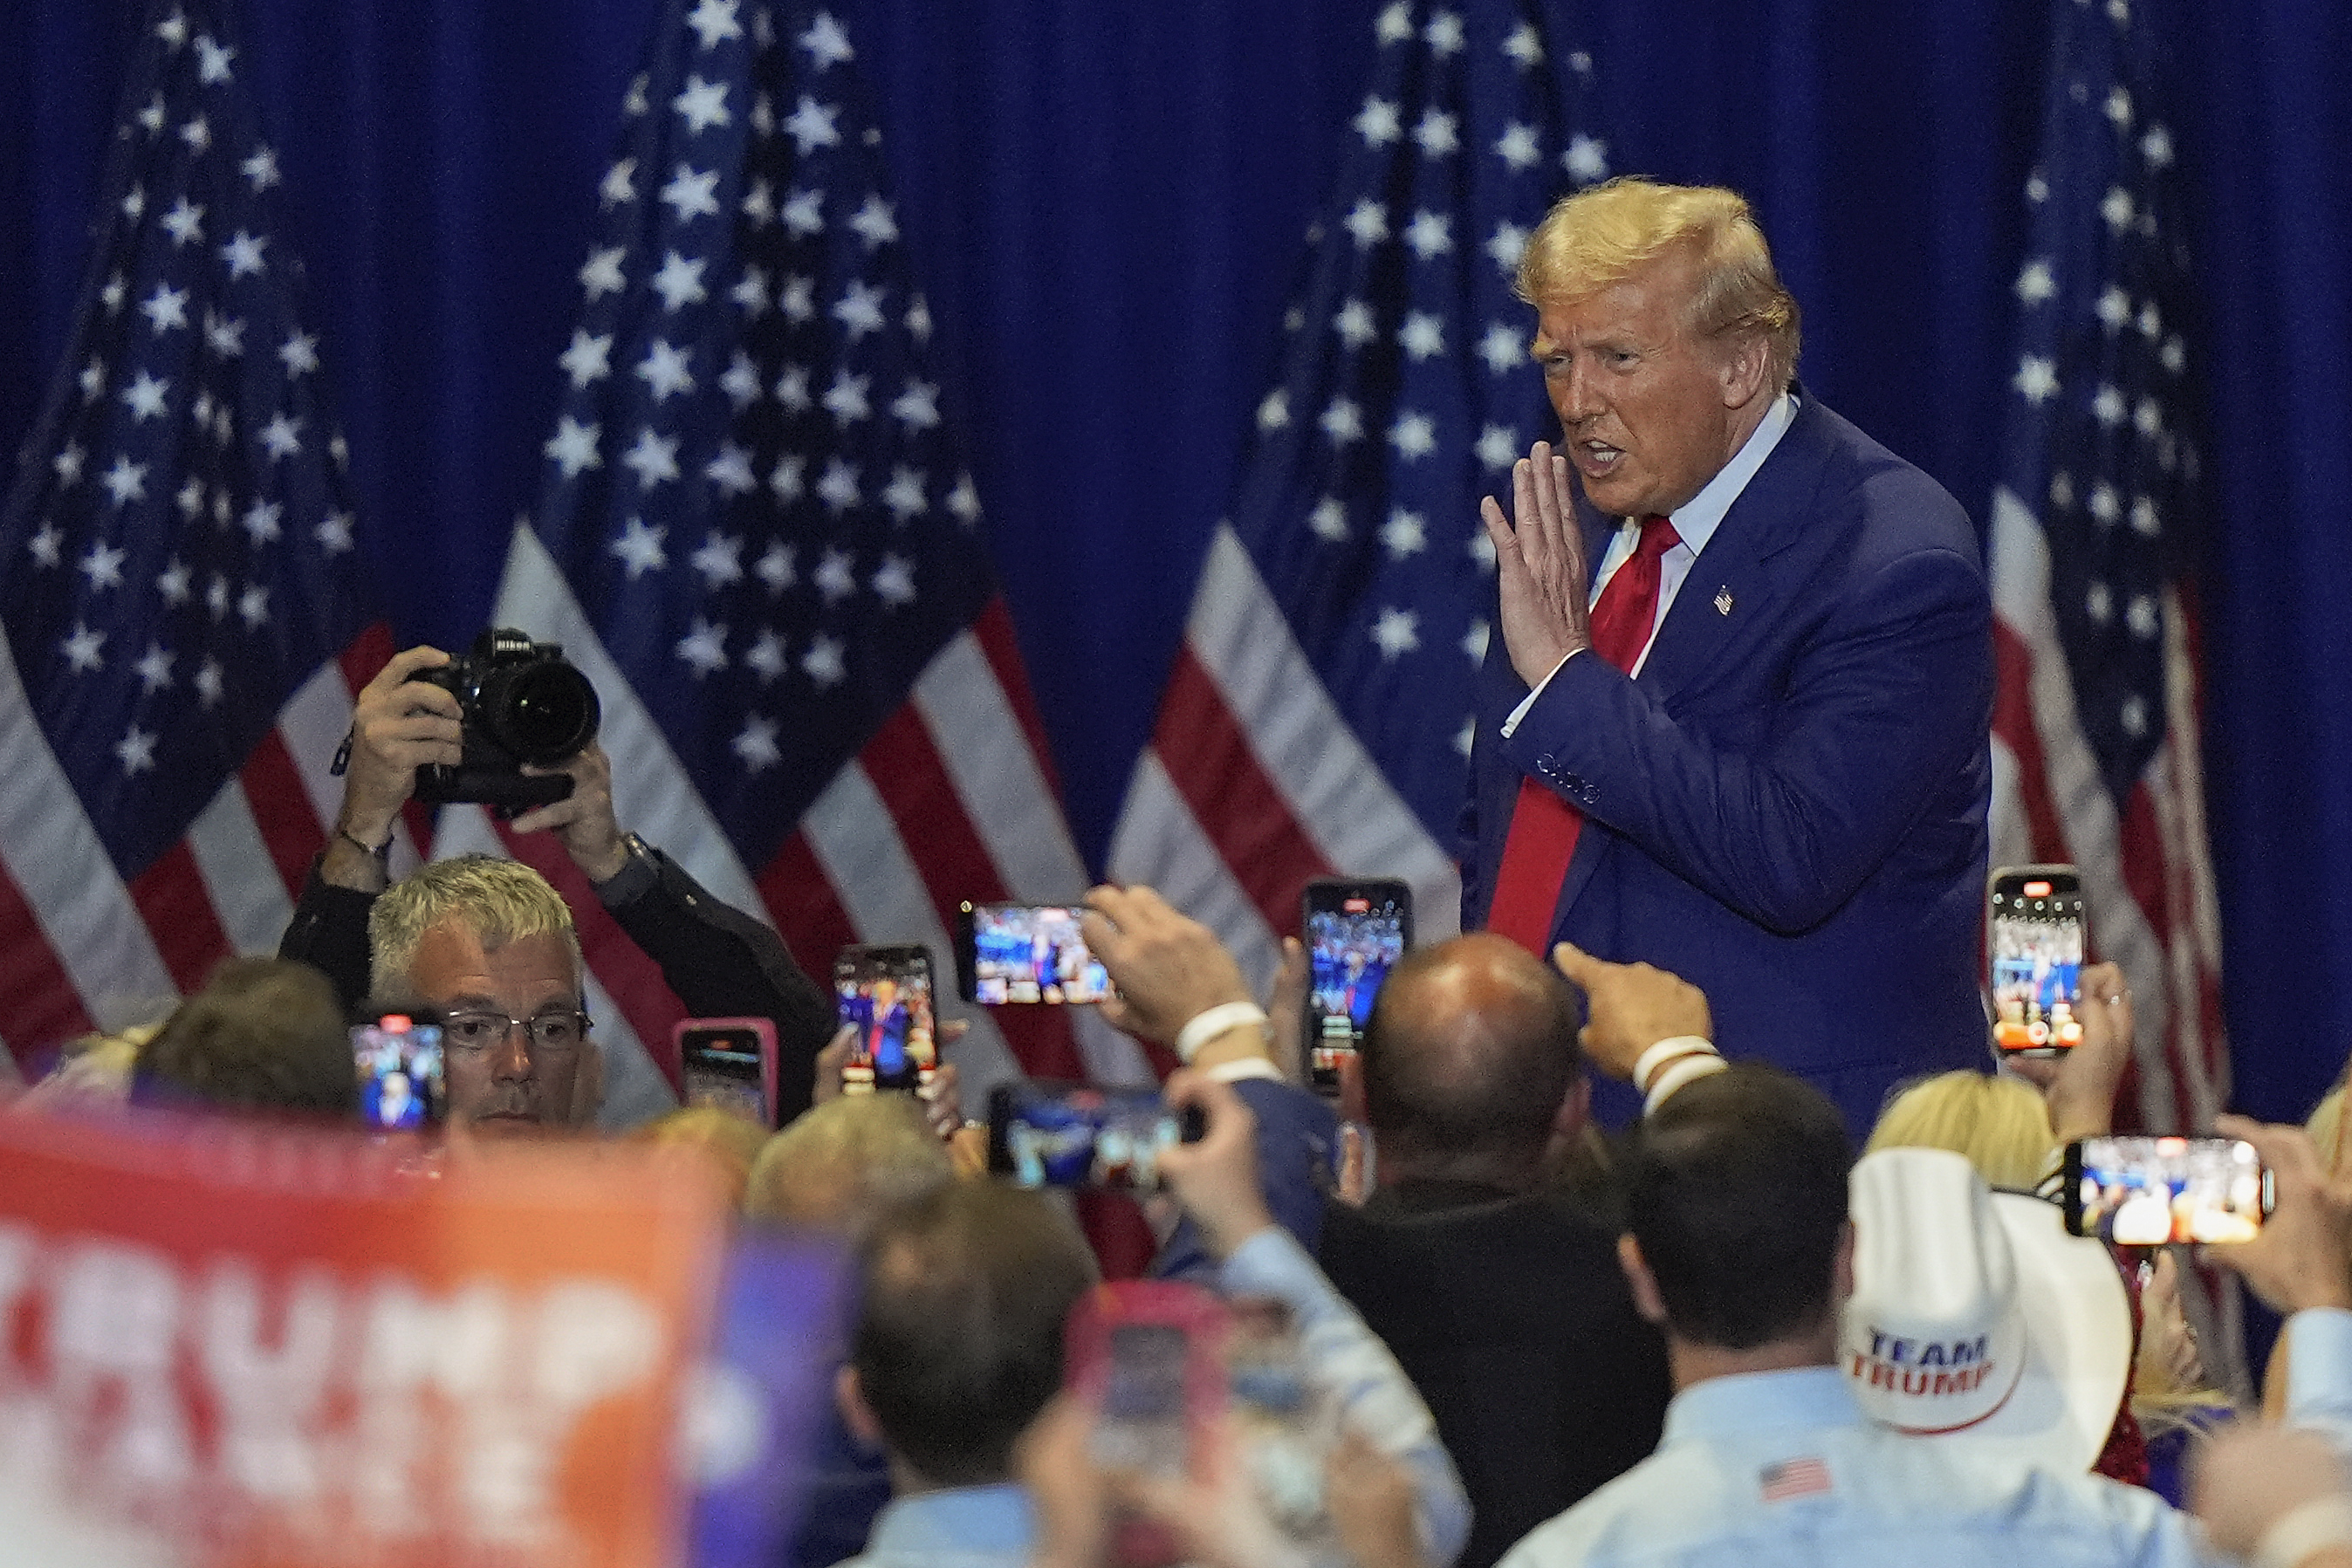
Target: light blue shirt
962	1527
2319	1374
1376	1399
1781	1469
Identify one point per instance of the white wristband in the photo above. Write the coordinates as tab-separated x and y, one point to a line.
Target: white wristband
1684	1069
1207	1026
2320	1523
1665	1051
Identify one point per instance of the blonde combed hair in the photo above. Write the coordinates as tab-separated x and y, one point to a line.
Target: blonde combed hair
2001	1124
843	1163
500	901
1598	237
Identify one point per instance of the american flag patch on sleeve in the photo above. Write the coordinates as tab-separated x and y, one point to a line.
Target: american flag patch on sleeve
1792	1478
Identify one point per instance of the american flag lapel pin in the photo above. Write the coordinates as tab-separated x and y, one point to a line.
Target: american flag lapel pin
1723	599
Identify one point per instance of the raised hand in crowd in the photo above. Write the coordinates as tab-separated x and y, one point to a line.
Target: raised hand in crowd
1170	969
399	723
941	1099
2274	1496
2301	1257
1631	1008
2080	1084
1216	1178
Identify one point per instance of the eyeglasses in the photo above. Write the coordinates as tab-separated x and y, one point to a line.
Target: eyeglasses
556	1033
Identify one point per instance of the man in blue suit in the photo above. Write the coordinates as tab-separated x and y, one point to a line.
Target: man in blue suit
1735	723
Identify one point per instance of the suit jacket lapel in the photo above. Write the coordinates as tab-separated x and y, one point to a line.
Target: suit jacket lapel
1733	584
1736	568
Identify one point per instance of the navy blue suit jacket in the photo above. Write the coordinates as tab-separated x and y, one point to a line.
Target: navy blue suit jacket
1787	808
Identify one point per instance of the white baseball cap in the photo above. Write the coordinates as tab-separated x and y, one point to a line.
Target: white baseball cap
1976	1318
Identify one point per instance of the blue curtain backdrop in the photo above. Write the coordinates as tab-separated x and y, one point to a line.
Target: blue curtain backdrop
1107	205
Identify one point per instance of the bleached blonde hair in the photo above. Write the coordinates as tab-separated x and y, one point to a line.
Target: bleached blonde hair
500	901
1597	238
841	1163
2001	1124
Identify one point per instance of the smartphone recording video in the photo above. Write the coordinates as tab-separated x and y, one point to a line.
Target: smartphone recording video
1010	954
399	1061
2146	1191
2035	944
1355	931
731	1064
884	995
1148	1355
1044	1135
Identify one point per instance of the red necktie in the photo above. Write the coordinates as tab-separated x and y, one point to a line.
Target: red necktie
1542	839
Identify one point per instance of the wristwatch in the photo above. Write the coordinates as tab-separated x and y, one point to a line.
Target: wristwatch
638	872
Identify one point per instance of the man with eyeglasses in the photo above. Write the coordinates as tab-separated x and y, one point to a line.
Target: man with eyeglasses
720	962
490	946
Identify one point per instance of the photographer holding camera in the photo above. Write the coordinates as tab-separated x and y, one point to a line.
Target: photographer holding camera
523	730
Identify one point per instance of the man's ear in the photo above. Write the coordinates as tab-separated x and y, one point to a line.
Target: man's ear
1575	1109
849	1398
1745	366
588	1085
1841	1268
1638	1278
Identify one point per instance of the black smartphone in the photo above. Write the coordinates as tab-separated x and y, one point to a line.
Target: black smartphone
2143	1191
1355	929
1010	954
730	1064
2034	944
1066	1135
883	993
399	1061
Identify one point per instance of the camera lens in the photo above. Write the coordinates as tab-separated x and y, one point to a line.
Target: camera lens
542	712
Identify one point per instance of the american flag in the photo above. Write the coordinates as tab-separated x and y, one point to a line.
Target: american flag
179	591
757	538
2095	754
1791	1478
1318	716
2095	730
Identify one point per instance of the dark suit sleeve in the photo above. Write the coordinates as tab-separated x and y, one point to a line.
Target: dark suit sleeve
722	962
329	932
1828	771
1297	1150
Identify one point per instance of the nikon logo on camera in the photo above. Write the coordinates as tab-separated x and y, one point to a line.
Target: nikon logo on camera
523	705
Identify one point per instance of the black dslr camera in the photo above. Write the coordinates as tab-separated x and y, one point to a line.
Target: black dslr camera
521	704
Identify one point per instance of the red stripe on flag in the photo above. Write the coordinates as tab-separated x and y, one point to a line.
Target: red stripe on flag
2013	721
634	980
39	1008
909	773
1209	758
2143	852
179	913
807	913
282	811
993	632
367	653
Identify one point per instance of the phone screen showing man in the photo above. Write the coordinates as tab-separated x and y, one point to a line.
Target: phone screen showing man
2149	1191
883	995
399	1063
1032	953
2036	945
1354	937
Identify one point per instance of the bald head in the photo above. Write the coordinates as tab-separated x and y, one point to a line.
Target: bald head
1471	1052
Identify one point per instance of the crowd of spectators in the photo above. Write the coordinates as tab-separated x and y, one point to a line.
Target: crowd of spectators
1512	1337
